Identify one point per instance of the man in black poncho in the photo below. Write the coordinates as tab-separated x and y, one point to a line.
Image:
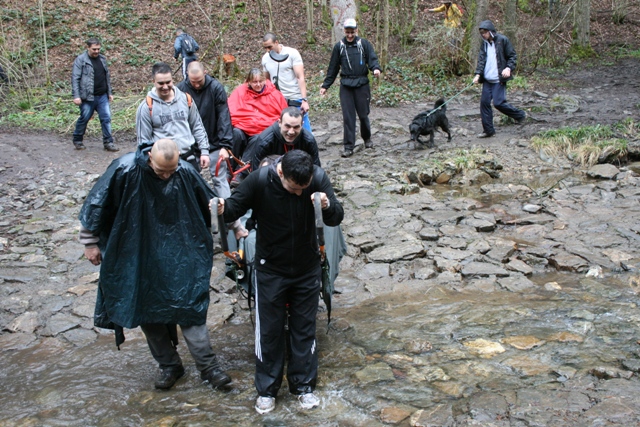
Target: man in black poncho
146	223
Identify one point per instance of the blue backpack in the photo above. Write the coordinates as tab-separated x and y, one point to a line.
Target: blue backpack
188	44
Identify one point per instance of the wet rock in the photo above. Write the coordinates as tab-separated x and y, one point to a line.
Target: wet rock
506	189
565	373
540	407
374	373
441	217
603	171
516	283
552	286
425	273
27	322
59	323
373	271
483	285
429	233
631	365
532	208
393	415
417	346
519	266
565	337
396	251
486	408
82	289
220	312
69	252
438	416
565	261
38	227
80	337
484	348
452	254
501	250
608	372
450	388
483	269
523	342
17	341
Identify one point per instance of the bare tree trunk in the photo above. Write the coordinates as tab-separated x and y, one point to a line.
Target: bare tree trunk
511	21
480	14
310	38
44	41
341	10
270	15
581	23
385	39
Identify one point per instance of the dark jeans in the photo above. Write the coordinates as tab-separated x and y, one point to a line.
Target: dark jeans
101	105
163	351
355	100
498	93
273	293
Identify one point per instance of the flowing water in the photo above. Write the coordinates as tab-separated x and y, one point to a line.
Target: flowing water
402	352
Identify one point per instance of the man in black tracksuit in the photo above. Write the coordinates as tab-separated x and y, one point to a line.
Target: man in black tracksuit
353	57
284	135
287	270
496	62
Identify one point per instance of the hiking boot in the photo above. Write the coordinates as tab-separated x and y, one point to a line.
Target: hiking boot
111	147
216	377
168	377
486	135
368	144
265	404
347	153
79	145
308	401
522	119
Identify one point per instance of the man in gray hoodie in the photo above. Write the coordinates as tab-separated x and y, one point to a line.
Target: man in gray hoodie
496	62
167	112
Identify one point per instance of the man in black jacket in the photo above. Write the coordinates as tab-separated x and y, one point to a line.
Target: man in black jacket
284	135
287	270
211	99
496	61
353	57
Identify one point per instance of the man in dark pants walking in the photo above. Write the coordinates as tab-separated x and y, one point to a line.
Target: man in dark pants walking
496	61
91	89
287	270
146	223
353	57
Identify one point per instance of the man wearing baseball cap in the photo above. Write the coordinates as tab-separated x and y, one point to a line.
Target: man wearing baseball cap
353	57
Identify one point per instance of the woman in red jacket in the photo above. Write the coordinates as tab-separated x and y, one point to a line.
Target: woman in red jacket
254	106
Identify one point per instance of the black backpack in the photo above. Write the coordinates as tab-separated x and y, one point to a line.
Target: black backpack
188	44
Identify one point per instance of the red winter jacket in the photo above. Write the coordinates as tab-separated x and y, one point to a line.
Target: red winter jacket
254	112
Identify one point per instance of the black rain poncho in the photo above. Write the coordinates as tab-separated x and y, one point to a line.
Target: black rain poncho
157	250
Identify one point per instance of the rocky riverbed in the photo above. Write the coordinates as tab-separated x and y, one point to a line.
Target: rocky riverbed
506	296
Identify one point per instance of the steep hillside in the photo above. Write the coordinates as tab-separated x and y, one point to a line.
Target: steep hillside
136	34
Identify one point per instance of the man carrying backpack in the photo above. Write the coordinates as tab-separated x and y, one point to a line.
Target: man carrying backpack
186	46
353	57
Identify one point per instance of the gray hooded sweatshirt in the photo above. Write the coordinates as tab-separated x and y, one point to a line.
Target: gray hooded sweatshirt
175	120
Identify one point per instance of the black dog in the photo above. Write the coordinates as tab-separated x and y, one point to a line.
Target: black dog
426	123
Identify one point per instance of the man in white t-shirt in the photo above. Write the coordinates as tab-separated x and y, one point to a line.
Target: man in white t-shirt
287	76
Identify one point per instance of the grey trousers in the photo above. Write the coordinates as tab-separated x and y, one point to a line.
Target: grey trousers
165	353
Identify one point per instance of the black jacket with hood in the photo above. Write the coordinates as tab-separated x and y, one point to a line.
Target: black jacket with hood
353	61
286	242
212	105
270	141
505	53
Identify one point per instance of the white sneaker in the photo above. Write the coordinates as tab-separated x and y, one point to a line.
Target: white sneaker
308	400
265	404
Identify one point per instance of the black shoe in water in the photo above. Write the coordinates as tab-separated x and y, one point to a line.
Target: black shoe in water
168	377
